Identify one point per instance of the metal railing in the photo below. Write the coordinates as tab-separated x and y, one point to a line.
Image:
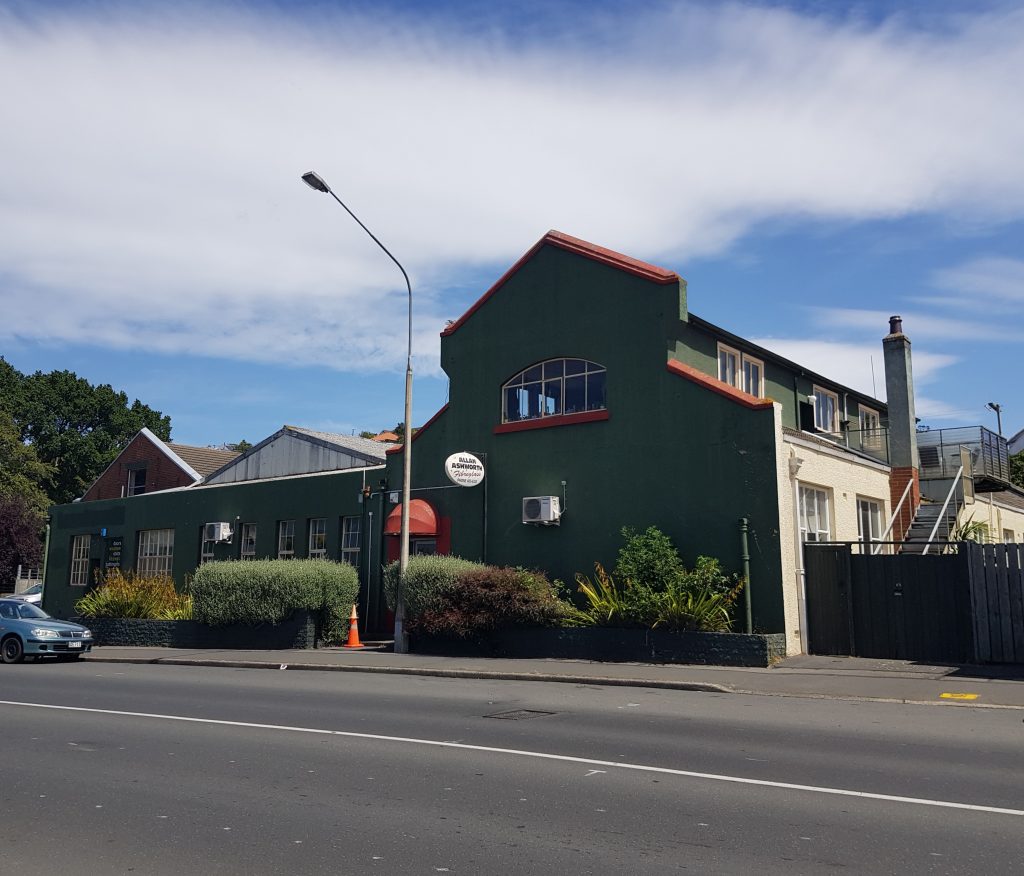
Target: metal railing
870	442
938	451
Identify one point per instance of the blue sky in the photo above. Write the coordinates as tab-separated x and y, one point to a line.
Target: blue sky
810	168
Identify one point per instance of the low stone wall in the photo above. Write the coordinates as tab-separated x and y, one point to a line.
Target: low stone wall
614	646
299	631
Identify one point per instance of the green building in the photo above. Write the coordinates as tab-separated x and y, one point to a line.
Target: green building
595	400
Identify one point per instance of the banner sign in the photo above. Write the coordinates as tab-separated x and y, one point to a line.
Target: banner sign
464	469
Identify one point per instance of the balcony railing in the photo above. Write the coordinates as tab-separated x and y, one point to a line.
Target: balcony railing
870	442
939	453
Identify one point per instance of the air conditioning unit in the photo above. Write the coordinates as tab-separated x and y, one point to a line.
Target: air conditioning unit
217	532
543	510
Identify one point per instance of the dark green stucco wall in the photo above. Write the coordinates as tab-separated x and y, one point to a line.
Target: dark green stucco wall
331	495
672	453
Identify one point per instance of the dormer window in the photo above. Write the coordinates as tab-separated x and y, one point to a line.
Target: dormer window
554	388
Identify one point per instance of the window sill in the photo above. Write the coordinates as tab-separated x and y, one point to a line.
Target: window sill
550	422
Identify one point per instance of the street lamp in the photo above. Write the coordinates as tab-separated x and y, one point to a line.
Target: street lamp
315	181
998	408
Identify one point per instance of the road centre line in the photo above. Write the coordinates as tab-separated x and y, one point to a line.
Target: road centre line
540	755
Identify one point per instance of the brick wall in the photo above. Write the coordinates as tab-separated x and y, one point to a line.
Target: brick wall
898	479
161	472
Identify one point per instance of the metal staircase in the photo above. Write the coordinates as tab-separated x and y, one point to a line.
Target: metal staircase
932	523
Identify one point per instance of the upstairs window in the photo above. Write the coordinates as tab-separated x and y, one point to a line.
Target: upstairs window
552	389
826	410
136	481
740	370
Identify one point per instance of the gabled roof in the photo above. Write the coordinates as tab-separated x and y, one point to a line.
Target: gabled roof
159	445
354	443
583	248
365	449
1016	443
204	460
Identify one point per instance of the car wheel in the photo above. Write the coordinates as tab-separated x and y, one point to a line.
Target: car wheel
11	650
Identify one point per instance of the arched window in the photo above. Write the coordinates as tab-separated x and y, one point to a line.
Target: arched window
552	389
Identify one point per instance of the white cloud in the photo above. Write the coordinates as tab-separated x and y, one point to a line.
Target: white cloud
851	364
152	199
922	325
998	282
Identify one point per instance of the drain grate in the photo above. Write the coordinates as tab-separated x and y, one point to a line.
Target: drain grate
519	714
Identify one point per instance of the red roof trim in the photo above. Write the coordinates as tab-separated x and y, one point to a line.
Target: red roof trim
588	250
419	431
716	385
548	422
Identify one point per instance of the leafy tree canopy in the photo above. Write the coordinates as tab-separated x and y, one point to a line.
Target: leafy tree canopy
239	447
1017	469
20	544
22	475
75	428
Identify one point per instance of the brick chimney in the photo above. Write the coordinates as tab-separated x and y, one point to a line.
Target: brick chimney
899	392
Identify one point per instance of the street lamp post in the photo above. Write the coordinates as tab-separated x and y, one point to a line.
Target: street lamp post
998	408
315	181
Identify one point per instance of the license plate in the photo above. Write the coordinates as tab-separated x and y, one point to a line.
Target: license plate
74	644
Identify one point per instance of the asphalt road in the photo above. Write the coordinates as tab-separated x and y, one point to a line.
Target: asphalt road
291	772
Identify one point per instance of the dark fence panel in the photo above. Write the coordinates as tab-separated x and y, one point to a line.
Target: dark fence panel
997	601
830	623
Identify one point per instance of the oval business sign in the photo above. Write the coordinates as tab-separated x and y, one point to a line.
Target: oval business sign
464	469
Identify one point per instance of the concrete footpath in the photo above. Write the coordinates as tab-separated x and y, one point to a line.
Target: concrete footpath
820	677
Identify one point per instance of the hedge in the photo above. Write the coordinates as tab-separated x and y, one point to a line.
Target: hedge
269	591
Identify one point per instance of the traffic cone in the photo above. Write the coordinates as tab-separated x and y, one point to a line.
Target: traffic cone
353	631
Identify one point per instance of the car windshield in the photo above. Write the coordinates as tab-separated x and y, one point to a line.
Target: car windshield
29	611
33	590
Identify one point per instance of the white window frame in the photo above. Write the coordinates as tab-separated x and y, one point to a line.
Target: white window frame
317	538
132	488
205	547
822	507
820	394
740	362
247	542
285	536
735	359
155	554
870	428
870	510
423	547
520	382
80	546
1008	537
351	534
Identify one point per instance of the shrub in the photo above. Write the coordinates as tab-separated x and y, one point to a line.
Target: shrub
686	607
427	580
270	591
648	559
127	595
612	603
489	598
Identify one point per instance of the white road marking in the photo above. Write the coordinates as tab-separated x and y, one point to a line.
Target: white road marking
540	755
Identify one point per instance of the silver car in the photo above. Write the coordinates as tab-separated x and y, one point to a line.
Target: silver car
34	594
27	630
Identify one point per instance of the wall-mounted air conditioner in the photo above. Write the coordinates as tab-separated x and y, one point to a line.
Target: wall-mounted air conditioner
217	532
542	510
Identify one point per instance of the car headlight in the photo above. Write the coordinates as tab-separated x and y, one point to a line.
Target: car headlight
86	634
46	634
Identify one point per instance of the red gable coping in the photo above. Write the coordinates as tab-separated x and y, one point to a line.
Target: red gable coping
419	431
608	257
716	385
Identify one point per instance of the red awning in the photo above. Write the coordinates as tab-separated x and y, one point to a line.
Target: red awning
422	519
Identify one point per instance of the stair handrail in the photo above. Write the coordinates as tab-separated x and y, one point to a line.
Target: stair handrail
892	520
942	513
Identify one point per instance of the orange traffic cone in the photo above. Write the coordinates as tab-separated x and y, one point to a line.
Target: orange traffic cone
353	631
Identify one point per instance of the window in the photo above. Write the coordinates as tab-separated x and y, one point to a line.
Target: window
206	547
248	542
814	515
422	547
869	520
285	539
137	481
870	429
318	539
826	410
350	527
80	560
554	388
740	370
1008	536
156	552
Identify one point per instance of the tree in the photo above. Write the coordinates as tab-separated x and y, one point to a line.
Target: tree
20	544
22	475
78	428
239	447
1017	469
